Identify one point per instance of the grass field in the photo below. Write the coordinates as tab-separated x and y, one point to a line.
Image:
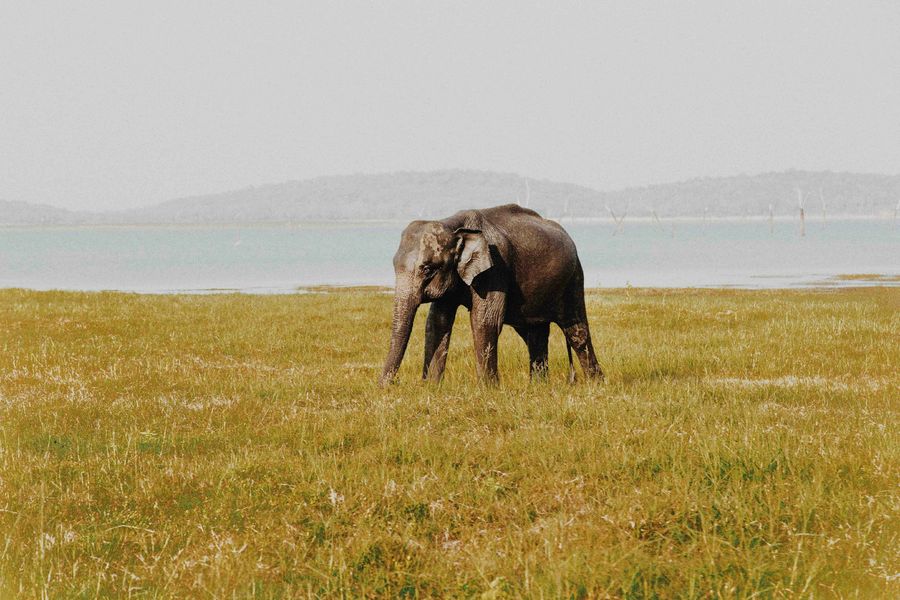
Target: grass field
745	444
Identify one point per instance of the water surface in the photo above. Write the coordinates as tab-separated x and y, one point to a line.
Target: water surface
742	253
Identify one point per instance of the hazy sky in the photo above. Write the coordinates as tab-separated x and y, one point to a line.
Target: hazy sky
118	104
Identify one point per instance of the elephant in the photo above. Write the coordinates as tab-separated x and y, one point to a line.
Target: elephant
507	265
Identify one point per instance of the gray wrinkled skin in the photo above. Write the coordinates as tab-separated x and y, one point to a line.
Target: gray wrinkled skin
507	265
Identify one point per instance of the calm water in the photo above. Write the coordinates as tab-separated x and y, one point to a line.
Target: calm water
267	259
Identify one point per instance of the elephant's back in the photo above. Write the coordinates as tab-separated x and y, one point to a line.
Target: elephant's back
544	258
533	237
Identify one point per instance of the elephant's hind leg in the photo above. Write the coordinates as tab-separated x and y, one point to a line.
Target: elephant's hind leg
536	337
574	324
578	336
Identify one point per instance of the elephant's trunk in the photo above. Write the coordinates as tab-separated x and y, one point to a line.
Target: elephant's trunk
405	305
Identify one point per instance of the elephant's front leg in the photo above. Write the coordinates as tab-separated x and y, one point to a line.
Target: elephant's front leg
438	328
487	316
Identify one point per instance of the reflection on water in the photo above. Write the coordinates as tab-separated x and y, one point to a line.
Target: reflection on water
282	258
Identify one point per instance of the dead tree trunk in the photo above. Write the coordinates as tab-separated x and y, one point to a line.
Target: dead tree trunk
616	219
822	198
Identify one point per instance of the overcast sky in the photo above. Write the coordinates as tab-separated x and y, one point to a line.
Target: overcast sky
119	104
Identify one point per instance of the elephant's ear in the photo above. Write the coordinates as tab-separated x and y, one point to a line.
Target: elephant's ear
474	255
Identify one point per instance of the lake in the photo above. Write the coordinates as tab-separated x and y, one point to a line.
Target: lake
262	259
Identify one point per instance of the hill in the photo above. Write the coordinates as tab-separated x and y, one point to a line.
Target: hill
24	213
751	195
409	195
402	195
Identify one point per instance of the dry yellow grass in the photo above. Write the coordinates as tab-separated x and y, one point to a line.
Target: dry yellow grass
746	443
868	277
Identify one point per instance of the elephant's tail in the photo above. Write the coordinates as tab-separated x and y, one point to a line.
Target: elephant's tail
571	365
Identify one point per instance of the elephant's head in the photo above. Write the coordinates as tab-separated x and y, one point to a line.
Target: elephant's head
431	261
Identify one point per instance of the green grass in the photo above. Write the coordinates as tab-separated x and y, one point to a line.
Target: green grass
745	443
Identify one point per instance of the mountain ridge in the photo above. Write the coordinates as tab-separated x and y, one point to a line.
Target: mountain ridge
403	195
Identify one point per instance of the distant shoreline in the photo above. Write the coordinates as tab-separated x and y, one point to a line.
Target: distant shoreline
351	223
829	283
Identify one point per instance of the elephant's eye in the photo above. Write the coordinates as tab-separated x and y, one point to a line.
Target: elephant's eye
427	270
